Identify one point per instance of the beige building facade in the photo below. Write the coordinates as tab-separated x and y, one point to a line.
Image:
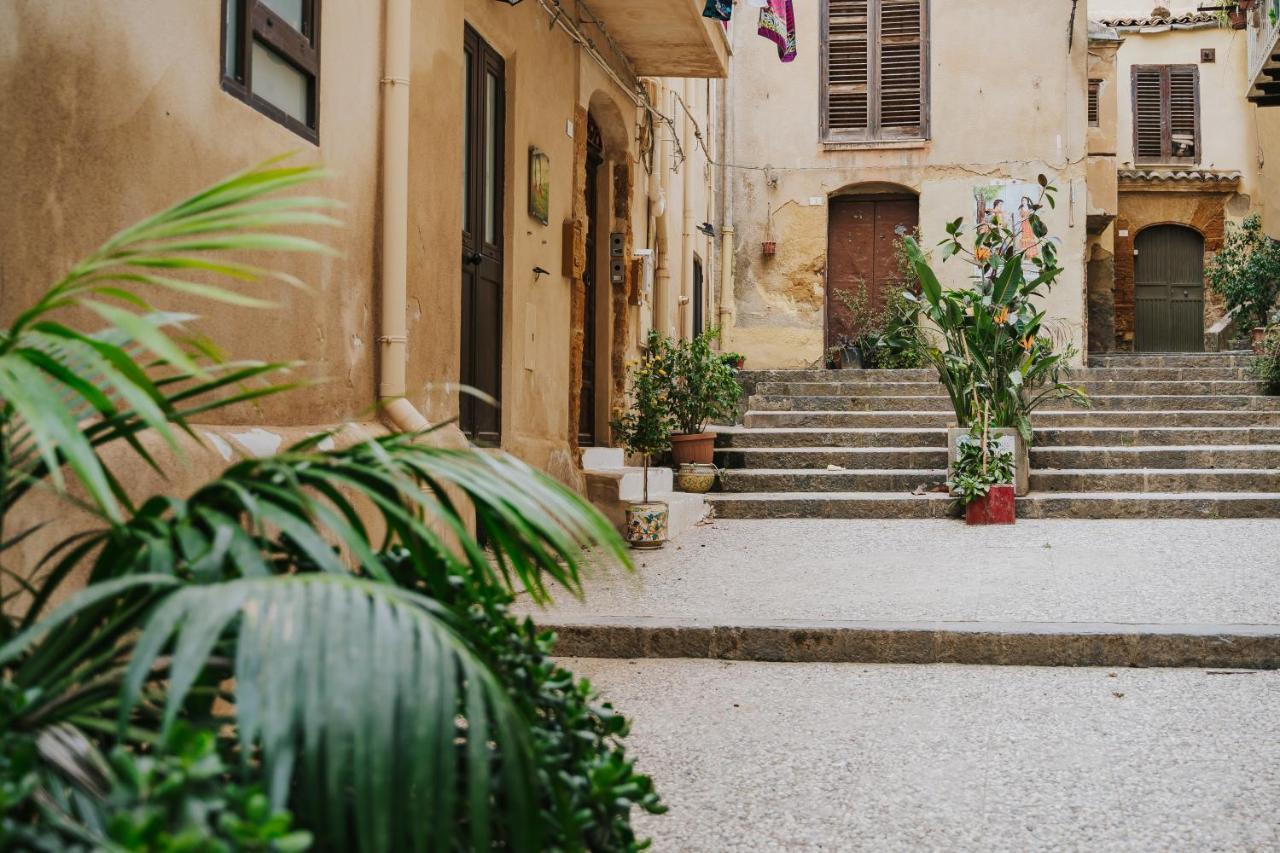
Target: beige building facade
831	155
526	189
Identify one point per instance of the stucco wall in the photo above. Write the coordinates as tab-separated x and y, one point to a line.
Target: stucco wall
1269	139
113	111
1007	118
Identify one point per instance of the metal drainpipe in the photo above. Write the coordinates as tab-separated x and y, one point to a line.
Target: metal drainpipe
725	312
393	338
686	235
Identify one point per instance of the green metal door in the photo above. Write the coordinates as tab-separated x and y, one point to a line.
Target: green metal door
1169	290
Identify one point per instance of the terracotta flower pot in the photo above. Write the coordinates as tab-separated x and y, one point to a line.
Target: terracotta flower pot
998	507
647	525
769	248
697	447
1239	20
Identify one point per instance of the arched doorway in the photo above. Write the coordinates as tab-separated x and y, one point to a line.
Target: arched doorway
1169	290
590	279
862	262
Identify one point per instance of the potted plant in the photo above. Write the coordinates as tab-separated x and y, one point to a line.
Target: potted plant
1245	272
995	357
695	477
850	353
702	388
644	428
736	360
982	481
831	358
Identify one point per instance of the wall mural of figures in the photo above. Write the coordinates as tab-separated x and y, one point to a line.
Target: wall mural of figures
1009	205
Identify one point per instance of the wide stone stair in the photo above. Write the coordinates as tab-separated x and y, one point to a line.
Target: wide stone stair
1168	436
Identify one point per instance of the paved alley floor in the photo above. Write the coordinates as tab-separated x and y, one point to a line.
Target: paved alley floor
835	757
1176	572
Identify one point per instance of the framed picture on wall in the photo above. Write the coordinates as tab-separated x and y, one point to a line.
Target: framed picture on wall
539	185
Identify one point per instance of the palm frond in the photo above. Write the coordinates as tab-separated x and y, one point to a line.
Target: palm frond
365	695
58	385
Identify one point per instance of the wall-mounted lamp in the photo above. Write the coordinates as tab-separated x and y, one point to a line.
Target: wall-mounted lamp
538	272
708	229
510	2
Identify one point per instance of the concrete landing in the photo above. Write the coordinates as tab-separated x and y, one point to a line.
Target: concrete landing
1075	593
830	757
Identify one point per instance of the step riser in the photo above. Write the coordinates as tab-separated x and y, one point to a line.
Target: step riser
934	389
837	420
1154	436
1165	482
1146	457
1234	359
827	481
1015	644
943	404
871	438
858	461
1033	507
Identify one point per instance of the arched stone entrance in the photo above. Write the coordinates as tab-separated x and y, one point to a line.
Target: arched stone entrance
1169	290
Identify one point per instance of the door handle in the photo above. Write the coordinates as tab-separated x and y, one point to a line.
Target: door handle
472	258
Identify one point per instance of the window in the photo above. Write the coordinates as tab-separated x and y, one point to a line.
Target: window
1166	114
271	59
1095	87
875	70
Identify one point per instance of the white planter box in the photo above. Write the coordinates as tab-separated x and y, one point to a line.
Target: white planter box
1010	441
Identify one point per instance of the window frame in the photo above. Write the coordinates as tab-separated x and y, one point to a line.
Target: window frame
301	50
1166	114
1094	105
873	135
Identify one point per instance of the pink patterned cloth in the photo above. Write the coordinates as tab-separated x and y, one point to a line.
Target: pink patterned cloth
778	25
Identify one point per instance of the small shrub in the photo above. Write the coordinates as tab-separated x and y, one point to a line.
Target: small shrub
1266	364
1245	272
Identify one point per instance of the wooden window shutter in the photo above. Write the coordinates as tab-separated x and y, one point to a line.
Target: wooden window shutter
901	68
1095	112
848	67
875	67
1166	113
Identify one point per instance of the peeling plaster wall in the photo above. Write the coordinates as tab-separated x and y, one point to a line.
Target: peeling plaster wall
987	125
1268	119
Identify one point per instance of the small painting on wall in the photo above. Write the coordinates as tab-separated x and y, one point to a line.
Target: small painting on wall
1009	206
539	185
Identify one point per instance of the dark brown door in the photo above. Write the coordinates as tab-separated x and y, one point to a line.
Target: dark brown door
697	296
483	206
861	234
587	411
1169	290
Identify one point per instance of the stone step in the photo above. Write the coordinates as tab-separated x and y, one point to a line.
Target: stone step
1204	456
1114	402
1143	436
1234	358
1150	480
1044	419
1064	505
824	390
902	437
809	480
854	459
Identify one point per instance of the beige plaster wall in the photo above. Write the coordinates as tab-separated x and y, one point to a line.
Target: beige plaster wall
988	123
113	111
1269	139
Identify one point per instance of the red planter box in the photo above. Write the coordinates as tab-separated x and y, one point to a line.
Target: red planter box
996	508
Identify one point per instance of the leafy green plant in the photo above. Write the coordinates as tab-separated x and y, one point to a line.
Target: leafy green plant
645	426
703	386
1245	272
980	464
995	355
312	609
1265	366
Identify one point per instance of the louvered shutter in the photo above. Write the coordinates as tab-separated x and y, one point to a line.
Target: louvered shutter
901	78
875	64
848	66
1166	114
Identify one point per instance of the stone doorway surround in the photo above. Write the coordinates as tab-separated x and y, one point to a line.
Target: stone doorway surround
1194	198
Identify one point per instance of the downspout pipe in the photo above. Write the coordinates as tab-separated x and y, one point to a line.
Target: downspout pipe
393	337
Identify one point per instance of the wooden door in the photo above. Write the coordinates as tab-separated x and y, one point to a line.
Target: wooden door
482	240
590	281
698	297
1169	290
861	235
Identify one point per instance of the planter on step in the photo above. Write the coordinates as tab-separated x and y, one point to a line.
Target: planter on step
698	447
647	525
696	478
1010	440
997	507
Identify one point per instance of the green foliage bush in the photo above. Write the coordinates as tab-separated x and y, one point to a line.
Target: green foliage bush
1265	366
1245	272
980	464
704	387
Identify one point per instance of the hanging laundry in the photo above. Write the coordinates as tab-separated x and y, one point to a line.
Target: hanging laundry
720	10
778	25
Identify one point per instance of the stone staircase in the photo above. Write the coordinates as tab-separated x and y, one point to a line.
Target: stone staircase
1169	436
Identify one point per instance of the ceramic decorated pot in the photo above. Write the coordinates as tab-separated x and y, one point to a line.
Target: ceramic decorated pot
647	525
696	478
